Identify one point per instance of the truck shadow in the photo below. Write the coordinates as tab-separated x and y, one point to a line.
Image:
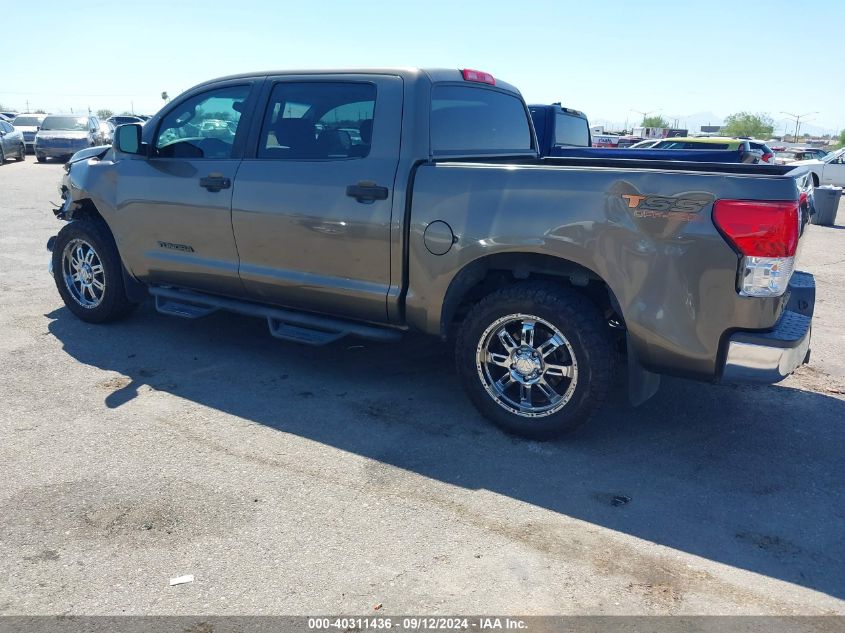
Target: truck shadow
750	477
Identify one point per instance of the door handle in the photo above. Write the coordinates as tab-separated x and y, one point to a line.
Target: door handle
366	191
215	182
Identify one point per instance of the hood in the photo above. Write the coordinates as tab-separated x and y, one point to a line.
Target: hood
26	128
62	134
89	152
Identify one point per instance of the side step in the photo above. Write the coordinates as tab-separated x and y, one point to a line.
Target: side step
300	327
182	309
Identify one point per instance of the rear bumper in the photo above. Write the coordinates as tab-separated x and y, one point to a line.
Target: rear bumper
769	357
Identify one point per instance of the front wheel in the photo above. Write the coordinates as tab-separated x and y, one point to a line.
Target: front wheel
22	155
88	272
40	158
536	359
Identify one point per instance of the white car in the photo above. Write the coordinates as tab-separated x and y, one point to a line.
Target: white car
29	124
830	170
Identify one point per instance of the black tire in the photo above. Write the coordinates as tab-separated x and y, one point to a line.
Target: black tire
40	158
587	349
22	157
2	156
113	304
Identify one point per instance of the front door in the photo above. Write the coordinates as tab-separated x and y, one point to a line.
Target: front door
834	172
312	205
174	206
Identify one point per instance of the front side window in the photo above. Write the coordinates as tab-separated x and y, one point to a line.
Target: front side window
318	120
203	126
470	120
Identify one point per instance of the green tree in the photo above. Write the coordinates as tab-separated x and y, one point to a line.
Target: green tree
105	113
655	120
842	138
747	124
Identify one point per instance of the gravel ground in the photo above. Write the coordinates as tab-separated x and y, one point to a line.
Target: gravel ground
292	480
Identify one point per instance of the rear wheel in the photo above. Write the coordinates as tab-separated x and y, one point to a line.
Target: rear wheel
2	156
88	272
536	359
22	155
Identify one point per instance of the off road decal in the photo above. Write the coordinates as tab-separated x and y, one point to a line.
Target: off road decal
664	207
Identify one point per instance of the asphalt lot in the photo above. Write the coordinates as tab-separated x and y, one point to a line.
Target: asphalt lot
296	480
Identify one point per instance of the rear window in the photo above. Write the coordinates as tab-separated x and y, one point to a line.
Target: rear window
571	130
468	120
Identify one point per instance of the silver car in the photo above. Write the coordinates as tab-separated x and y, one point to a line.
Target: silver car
62	135
11	143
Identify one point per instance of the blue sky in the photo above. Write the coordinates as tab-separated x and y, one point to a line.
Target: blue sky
606	58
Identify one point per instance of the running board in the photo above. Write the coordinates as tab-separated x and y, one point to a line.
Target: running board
182	309
300	327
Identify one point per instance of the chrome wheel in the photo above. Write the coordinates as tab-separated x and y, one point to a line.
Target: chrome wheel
527	365
83	273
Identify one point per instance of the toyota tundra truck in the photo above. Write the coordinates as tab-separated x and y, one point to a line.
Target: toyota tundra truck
375	202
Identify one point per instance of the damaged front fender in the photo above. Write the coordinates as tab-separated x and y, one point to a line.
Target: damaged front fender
75	180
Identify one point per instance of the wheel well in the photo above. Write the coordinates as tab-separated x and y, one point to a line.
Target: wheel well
87	210
490	273
815	179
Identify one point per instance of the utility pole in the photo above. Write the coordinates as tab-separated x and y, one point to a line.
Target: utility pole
645	114
797	118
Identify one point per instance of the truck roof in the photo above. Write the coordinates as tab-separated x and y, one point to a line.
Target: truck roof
434	75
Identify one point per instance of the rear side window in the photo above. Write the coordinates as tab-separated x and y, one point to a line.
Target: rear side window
571	130
318	120
468	120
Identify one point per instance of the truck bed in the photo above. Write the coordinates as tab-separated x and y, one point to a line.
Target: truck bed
738	169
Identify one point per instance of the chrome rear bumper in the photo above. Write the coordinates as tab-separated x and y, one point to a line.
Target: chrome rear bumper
769	357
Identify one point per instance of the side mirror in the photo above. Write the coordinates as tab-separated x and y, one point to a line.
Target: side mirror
127	139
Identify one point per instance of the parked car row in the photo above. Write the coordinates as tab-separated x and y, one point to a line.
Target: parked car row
56	135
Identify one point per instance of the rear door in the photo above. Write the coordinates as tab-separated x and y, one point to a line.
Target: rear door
312	203
174	206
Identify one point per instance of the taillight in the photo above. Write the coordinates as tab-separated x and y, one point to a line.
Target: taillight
766	235
767	157
477	75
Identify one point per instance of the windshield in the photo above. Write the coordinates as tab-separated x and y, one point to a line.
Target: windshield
33	121
76	123
571	130
832	157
